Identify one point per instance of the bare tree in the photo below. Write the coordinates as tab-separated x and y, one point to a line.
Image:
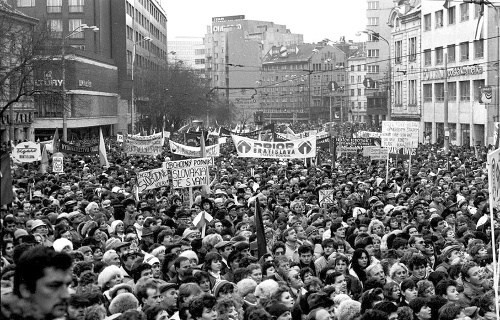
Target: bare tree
26	49
175	94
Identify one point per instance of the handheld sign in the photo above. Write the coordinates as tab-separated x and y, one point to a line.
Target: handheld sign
190	172
58	163
400	134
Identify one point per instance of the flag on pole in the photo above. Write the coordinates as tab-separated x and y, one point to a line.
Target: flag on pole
201	220
7	195
259	228
205	189
103	158
55	142
446	4
480	22
45	160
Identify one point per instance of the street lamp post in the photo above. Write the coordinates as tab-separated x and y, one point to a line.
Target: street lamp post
376	36
79	29
132	104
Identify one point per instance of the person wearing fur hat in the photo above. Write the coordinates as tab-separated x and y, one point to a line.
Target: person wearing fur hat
108	278
123	302
117	230
246	289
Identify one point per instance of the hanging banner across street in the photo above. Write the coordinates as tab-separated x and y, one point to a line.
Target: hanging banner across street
293	149
26	152
194	152
74	149
400	134
152	179
143	145
190	172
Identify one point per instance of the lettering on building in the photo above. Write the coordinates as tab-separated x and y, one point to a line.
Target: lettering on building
437	74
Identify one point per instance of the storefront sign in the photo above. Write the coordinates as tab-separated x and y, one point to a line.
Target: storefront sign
437	74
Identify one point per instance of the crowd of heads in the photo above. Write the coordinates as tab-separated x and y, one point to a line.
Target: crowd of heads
346	238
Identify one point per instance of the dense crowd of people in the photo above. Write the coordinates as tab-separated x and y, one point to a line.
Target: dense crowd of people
343	242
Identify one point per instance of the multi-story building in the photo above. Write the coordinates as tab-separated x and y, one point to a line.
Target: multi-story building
356	89
377	58
448	36
405	63
304	83
188	50
98	65
234	48
15	31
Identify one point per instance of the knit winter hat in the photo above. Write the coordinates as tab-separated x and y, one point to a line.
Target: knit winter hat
62	243
108	256
123	302
110	243
112	229
246	286
218	285
107	274
277	309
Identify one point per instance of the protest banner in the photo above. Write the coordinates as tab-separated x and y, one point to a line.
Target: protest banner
367	134
326	196
400	134
190	172
26	152
152	179
293	149
69	148
493	164
194	152
143	145
119	137
352	145
377	153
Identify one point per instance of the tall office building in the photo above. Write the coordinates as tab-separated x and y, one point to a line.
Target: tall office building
234	49
98	65
189	51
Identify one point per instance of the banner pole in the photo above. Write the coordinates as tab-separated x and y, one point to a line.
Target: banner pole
409	165
191	197
387	170
491	172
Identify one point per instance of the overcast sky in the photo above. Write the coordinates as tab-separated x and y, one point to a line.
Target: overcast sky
315	19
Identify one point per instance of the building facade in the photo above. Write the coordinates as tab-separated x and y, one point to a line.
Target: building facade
189	50
17	114
378	58
356	89
234	49
405	63
98	65
448	35
303	83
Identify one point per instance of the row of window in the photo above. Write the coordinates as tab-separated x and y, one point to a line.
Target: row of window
55	6
371	68
439	19
463	94
153	10
56	28
412	92
464	52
